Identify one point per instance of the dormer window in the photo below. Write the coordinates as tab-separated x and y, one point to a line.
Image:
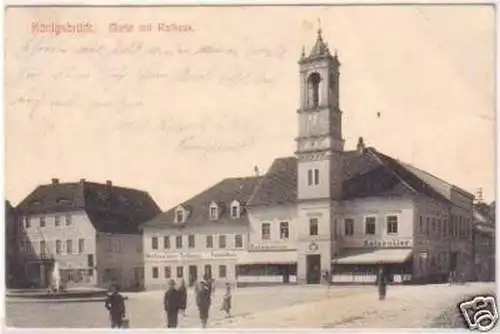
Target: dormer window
180	215
214	211
235	209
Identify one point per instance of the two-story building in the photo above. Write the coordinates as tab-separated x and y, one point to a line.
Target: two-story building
204	235
89	229
346	212
484	245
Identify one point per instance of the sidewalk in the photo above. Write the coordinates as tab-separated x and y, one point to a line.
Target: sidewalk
405	307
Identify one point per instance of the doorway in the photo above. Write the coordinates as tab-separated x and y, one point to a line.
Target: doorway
193	275
208	270
313	267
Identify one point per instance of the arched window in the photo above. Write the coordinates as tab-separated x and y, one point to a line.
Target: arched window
313	87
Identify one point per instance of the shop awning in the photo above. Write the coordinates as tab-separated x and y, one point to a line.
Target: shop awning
249	258
378	256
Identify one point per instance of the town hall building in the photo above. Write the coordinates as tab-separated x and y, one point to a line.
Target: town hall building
324	210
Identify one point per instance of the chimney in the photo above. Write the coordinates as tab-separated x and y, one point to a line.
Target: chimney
109	183
82	180
256	170
55	181
361	146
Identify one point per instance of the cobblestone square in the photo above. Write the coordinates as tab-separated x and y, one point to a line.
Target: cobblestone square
272	307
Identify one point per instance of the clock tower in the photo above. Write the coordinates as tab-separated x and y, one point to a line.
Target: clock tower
319	152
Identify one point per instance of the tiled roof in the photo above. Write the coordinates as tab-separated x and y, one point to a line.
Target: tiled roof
111	209
364	174
223	193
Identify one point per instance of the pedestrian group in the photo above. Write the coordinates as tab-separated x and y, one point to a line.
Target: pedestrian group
174	302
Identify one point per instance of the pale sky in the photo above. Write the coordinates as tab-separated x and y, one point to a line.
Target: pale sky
172	113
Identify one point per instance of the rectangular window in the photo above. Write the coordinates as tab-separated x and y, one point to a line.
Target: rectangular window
310	177
316	176
222	241
69	246
210	241
191	241
238	241
58	246
42	221
208	270
179	216
222	271
427	226
42	247
439	228
313	226
213	213
178	241
370	225
234	211
68	219
265	231
81	245
284	231
90	260
57	221
154	242
167	271
27	222
392	224
166	242
445	228
349	226
155	272
180	272
420	225
433	226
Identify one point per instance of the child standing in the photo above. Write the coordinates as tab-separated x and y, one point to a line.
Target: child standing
226	302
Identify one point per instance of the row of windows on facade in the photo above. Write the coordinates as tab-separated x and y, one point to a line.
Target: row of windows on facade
209	241
213	212
371	225
43	222
458	226
167	271
44	248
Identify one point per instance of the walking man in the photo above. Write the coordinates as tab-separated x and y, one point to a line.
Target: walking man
203	298
382	284
171	304
182	297
115	304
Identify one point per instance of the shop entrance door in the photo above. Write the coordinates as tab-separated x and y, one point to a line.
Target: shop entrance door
313	266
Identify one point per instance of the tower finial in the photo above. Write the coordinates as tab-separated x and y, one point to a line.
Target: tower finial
319	27
303	52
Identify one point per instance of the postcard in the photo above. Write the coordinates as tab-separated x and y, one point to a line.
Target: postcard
250	166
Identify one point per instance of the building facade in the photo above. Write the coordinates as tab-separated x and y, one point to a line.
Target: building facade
484	247
89	229
333	214
14	261
207	234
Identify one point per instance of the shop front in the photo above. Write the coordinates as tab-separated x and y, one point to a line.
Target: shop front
360	266
219	265
274	267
